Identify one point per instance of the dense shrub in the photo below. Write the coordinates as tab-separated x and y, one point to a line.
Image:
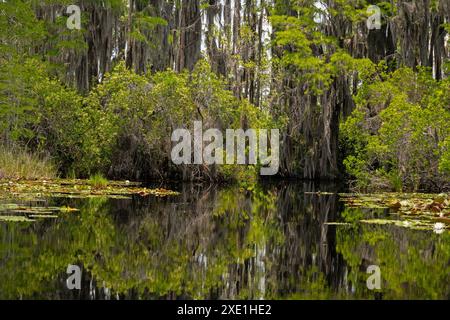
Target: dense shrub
133	118
398	135
123	127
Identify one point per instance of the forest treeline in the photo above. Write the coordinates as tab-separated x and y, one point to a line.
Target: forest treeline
372	106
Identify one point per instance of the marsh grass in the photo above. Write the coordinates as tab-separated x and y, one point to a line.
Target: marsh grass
16	163
98	181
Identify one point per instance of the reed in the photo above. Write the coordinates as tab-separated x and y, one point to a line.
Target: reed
16	163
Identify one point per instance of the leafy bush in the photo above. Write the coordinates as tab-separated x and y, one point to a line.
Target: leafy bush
125	124
123	127
398	135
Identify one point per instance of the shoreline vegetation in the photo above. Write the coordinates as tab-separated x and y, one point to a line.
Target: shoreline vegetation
27	175
28	178
17	164
370	107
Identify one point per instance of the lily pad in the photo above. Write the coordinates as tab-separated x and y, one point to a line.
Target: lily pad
33	216
75	189
15	219
416	211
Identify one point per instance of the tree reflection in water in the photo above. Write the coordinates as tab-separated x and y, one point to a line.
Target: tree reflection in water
272	242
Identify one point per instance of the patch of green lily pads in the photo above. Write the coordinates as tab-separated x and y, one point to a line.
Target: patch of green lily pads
14	212
15	219
14	193
32	190
411	210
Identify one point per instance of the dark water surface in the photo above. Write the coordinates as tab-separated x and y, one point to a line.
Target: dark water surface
220	243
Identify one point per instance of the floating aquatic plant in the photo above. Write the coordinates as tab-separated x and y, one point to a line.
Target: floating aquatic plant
75	189
414	211
33	192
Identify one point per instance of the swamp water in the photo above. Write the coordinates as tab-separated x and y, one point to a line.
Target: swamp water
278	241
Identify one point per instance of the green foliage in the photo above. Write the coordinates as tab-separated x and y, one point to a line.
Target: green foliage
120	128
445	159
38	111
299	37
145	24
20	29
397	136
130	119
